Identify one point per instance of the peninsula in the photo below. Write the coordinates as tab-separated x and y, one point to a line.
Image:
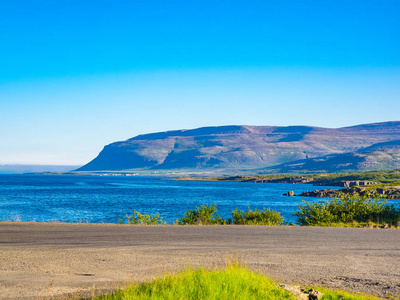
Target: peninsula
383	184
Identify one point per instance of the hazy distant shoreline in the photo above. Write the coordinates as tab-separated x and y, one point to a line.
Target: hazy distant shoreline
21	169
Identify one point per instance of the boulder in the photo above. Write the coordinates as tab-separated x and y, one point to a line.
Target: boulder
296	291
314	294
300	294
290	193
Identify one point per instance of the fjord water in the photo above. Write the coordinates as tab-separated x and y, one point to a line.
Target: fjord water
71	198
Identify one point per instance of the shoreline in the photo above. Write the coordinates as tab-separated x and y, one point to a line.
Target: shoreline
56	223
352	186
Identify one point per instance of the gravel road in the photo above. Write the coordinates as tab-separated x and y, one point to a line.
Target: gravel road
45	260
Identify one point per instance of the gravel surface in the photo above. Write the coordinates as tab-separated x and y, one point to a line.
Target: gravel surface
45	260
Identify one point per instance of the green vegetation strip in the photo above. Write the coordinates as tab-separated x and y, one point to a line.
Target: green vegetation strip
342	295
206	215
348	211
382	178
233	282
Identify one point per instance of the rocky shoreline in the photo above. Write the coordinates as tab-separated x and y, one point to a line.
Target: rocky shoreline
388	193
376	184
351	187
303	179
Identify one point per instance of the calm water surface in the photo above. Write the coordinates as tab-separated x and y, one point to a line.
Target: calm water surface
46	198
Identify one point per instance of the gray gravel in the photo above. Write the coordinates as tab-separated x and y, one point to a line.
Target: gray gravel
43	260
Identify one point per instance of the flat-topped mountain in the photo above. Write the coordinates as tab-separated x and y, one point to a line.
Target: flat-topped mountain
244	147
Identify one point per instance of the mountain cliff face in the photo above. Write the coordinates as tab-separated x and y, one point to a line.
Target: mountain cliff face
381	156
244	147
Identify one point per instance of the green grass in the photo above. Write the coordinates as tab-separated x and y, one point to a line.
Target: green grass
342	295
233	282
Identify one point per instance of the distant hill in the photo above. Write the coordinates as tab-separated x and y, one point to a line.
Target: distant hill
13	169
381	156
258	148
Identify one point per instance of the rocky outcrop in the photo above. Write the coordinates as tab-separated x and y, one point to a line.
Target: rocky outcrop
296	291
314	294
343	183
355	183
290	194
291	179
301	293
302	179
320	193
389	193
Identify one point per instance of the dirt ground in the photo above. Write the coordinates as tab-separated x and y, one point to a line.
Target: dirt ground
46	260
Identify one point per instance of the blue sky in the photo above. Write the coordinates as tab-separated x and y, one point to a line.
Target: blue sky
76	75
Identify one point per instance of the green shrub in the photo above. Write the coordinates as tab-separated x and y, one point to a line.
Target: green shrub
257	217
144	219
347	209
206	215
203	215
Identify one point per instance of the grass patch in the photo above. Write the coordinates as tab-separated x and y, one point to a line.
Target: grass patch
342	295
233	282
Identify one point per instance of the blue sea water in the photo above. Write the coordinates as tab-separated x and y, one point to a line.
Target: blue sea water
71	198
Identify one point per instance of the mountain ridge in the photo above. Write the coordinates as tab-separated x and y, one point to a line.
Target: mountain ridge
380	156
239	147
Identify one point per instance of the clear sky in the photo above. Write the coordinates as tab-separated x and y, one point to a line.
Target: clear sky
77	75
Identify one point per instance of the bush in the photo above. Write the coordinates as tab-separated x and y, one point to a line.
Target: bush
144	219
257	217
203	215
348	209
